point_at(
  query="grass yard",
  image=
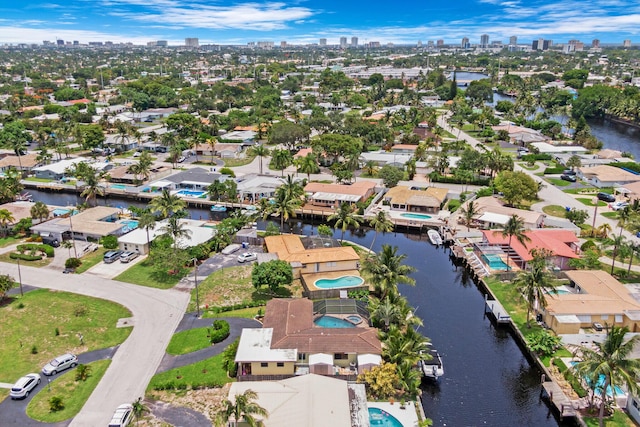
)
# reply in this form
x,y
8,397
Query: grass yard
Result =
x,y
143,274
589,202
245,313
189,341
233,163
74,394
34,179
38,263
232,285
206,373
34,325
618,419
6,241
589,191
558,182
91,259
554,210
613,214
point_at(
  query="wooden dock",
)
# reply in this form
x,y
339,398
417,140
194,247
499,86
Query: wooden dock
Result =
x,y
497,310
558,399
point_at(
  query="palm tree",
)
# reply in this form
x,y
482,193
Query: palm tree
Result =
x,y
634,248
386,313
167,204
617,242
386,270
403,345
281,159
176,230
381,224
371,168
308,164
244,408
39,211
216,189
534,285
139,408
6,218
144,164
514,227
611,359
469,212
344,218
67,244
260,151
147,221
285,206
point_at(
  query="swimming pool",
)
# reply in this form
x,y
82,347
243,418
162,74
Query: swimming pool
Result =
x,y
560,290
495,262
415,216
340,282
333,322
129,224
59,212
119,186
619,392
198,194
378,417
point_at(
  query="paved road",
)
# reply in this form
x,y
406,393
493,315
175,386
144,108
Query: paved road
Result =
x,y
156,314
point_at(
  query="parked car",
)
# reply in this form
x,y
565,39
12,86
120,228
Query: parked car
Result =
x,y
51,241
606,197
234,247
60,363
24,385
619,205
597,326
111,256
568,172
122,416
137,154
181,159
128,256
247,257
570,178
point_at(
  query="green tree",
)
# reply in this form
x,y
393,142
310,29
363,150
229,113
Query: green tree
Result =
x,y
6,283
385,314
243,409
14,136
147,221
83,372
6,218
382,381
281,159
514,227
272,274
469,211
516,186
288,133
56,404
229,358
534,285
344,218
139,409
167,204
390,175
260,151
39,211
176,230
576,216
574,162
386,270
380,224
611,359
308,165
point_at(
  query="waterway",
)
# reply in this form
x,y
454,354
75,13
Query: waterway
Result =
x,y
488,381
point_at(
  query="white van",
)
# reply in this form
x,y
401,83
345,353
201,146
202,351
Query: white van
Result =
x,y
234,247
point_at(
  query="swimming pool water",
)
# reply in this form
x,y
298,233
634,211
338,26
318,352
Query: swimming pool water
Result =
x,y
192,193
340,282
333,322
495,262
119,186
415,216
129,225
378,417
600,384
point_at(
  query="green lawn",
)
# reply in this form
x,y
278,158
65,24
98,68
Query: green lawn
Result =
x,y
246,313
35,325
34,179
558,182
189,341
589,201
91,259
143,274
74,394
618,419
206,373
554,210
10,240
232,163
613,214
38,263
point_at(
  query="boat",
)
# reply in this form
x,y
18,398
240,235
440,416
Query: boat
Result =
x,y
218,208
24,197
434,237
432,368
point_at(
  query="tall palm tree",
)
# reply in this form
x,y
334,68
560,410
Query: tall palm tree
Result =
x,y
212,145
611,359
381,224
386,270
167,204
285,206
39,211
216,189
67,244
260,151
308,164
514,227
281,159
147,221
404,345
344,218
6,218
243,408
534,285
634,248
617,242
386,314
144,164
92,186
469,212
176,230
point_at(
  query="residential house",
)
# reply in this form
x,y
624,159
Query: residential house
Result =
x,y
417,200
333,195
121,174
522,136
592,296
26,162
383,158
193,179
607,176
546,148
290,343
223,150
136,240
302,401
56,171
563,245
404,148
253,187
92,223
493,214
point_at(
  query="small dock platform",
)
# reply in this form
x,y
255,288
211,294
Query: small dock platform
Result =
x,y
497,310
559,400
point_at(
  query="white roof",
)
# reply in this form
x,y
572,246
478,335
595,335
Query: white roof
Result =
x,y
494,218
567,318
383,156
369,359
545,147
321,359
61,166
335,196
255,346
160,184
197,235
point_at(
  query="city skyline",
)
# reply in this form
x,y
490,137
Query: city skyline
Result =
x,y
306,22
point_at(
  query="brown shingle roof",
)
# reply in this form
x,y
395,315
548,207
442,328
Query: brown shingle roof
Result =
x,y
293,327
289,248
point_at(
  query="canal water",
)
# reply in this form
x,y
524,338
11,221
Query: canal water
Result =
x,y
488,381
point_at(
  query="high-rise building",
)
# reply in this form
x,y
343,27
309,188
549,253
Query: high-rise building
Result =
x,y
191,42
419,43
484,40
354,42
162,43
429,44
439,43
283,44
626,43
60,42
541,44
343,42
513,40
323,42
465,43
595,43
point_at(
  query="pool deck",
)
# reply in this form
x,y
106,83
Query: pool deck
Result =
x,y
310,279
407,416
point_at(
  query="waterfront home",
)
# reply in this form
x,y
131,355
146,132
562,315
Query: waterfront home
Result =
x,y
593,296
546,148
25,163
521,135
136,240
121,174
404,148
194,179
303,401
382,158
253,187
293,341
56,171
607,176
415,200
92,223
562,244
493,214
333,195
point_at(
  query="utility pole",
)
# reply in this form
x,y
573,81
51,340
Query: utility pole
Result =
x,y
195,276
20,277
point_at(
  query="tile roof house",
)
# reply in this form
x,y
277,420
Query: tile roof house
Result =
x,y
607,176
291,343
493,214
27,162
406,199
92,223
594,296
324,195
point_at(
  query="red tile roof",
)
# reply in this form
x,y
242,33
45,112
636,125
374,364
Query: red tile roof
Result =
x,y
557,241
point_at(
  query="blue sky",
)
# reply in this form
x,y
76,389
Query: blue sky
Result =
x,y
306,21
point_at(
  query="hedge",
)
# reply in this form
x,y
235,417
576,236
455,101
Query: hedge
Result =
x,y
250,304
535,157
219,332
627,165
46,249
553,171
571,379
25,257
453,180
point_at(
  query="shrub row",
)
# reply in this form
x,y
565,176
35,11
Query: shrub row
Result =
x,y
172,385
535,157
552,171
219,332
45,249
258,303
25,257
454,180
570,377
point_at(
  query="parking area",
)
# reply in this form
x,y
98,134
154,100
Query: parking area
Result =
x,y
109,271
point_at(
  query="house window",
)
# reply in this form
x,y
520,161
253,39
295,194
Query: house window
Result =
x,y
604,317
264,364
280,364
618,318
302,356
341,356
332,264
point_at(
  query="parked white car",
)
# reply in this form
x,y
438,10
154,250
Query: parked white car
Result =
x,y
619,206
247,257
122,416
24,385
60,363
